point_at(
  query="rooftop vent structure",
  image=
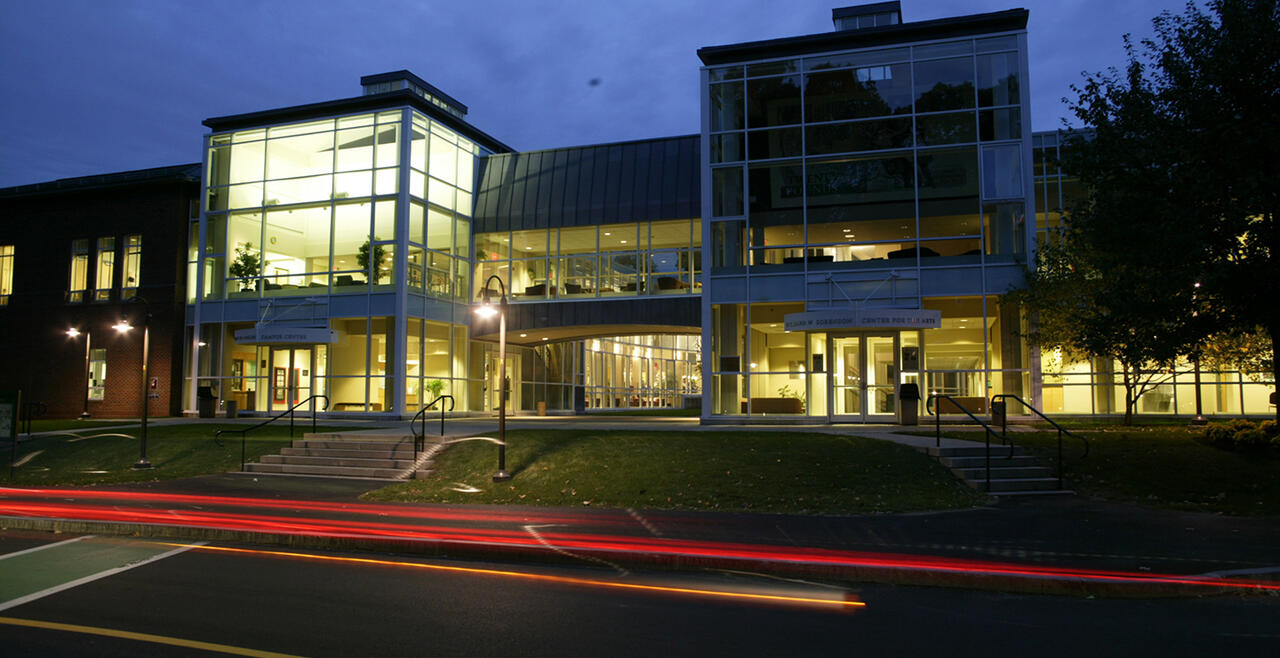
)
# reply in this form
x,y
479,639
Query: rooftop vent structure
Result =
x,y
861,17
385,82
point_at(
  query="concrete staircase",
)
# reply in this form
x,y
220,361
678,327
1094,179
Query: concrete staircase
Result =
x,y
1016,475
370,456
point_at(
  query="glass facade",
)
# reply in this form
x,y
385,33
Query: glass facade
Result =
x,y
351,233
886,178
610,260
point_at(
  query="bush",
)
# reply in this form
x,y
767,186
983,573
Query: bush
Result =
x,y
1219,434
1244,435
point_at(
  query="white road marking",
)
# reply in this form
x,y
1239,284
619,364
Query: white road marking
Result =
x,y
97,576
41,548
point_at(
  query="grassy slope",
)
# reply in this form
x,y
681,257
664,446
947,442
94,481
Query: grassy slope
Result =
x,y
174,451
727,471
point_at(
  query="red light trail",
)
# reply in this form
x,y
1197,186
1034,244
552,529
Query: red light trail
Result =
x,y
390,522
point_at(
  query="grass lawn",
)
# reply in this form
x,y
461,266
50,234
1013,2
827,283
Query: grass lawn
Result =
x,y
779,472
175,451
1160,466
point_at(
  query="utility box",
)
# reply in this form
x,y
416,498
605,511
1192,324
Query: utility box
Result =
x,y
206,402
998,411
908,404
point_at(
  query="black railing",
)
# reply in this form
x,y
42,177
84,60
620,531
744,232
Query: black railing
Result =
x,y
1004,421
31,411
987,435
217,436
419,438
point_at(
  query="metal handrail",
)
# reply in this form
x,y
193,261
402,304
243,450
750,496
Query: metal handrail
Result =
x,y
1061,430
217,436
29,412
987,435
419,439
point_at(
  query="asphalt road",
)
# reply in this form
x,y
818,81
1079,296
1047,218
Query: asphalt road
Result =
x,y
246,600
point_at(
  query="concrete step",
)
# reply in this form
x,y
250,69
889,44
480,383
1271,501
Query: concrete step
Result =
x,y
1002,473
370,438
342,471
975,451
1016,484
336,461
397,453
996,460
352,445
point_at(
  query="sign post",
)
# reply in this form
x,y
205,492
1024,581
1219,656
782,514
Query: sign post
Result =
x,y
10,403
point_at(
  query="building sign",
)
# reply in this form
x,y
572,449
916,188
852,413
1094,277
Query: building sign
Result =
x,y
268,335
864,318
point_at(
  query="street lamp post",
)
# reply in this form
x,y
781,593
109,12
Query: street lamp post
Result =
x,y
123,327
1195,361
88,338
486,310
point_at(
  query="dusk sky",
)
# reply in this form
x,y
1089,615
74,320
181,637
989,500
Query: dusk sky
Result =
x,y
100,86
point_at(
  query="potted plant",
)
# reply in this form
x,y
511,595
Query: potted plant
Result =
x,y
435,387
379,258
247,265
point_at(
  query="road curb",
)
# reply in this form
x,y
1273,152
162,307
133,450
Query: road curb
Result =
x,y
964,579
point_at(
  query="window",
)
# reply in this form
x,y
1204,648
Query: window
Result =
x,y
79,270
106,268
6,273
132,263
97,374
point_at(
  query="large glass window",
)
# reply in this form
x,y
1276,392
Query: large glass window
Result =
x,y
103,280
773,102
132,274
79,281
944,84
867,91
6,273
97,374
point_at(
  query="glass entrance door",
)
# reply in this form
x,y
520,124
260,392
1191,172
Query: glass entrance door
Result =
x,y
863,378
291,374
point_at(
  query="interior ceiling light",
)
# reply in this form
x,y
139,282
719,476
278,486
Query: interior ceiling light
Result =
x,y
523,335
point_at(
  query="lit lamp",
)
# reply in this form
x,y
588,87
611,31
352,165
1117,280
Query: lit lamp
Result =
x,y
487,310
73,333
124,327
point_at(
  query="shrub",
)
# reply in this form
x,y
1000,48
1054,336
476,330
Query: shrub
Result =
x,y
1219,434
1253,439
1271,428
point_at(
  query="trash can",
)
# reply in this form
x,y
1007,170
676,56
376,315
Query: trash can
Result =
x,y
206,402
908,404
997,412
232,408
542,408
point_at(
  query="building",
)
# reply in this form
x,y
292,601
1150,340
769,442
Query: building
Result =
x,y
74,256
846,221
867,196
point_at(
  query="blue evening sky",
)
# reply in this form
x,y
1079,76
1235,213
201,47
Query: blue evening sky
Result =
x,y
98,86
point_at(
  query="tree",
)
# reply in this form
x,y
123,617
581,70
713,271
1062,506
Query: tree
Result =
x,y
1219,77
246,266
1176,240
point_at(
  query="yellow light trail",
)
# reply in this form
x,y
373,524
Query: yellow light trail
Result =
x,y
143,637
846,603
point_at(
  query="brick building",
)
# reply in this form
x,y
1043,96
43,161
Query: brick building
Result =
x,y
73,254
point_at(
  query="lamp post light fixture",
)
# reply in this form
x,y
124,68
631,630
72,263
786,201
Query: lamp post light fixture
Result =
x,y
487,310
125,327
73,332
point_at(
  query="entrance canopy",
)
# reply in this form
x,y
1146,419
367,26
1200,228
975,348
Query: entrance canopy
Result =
x,y
863,318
